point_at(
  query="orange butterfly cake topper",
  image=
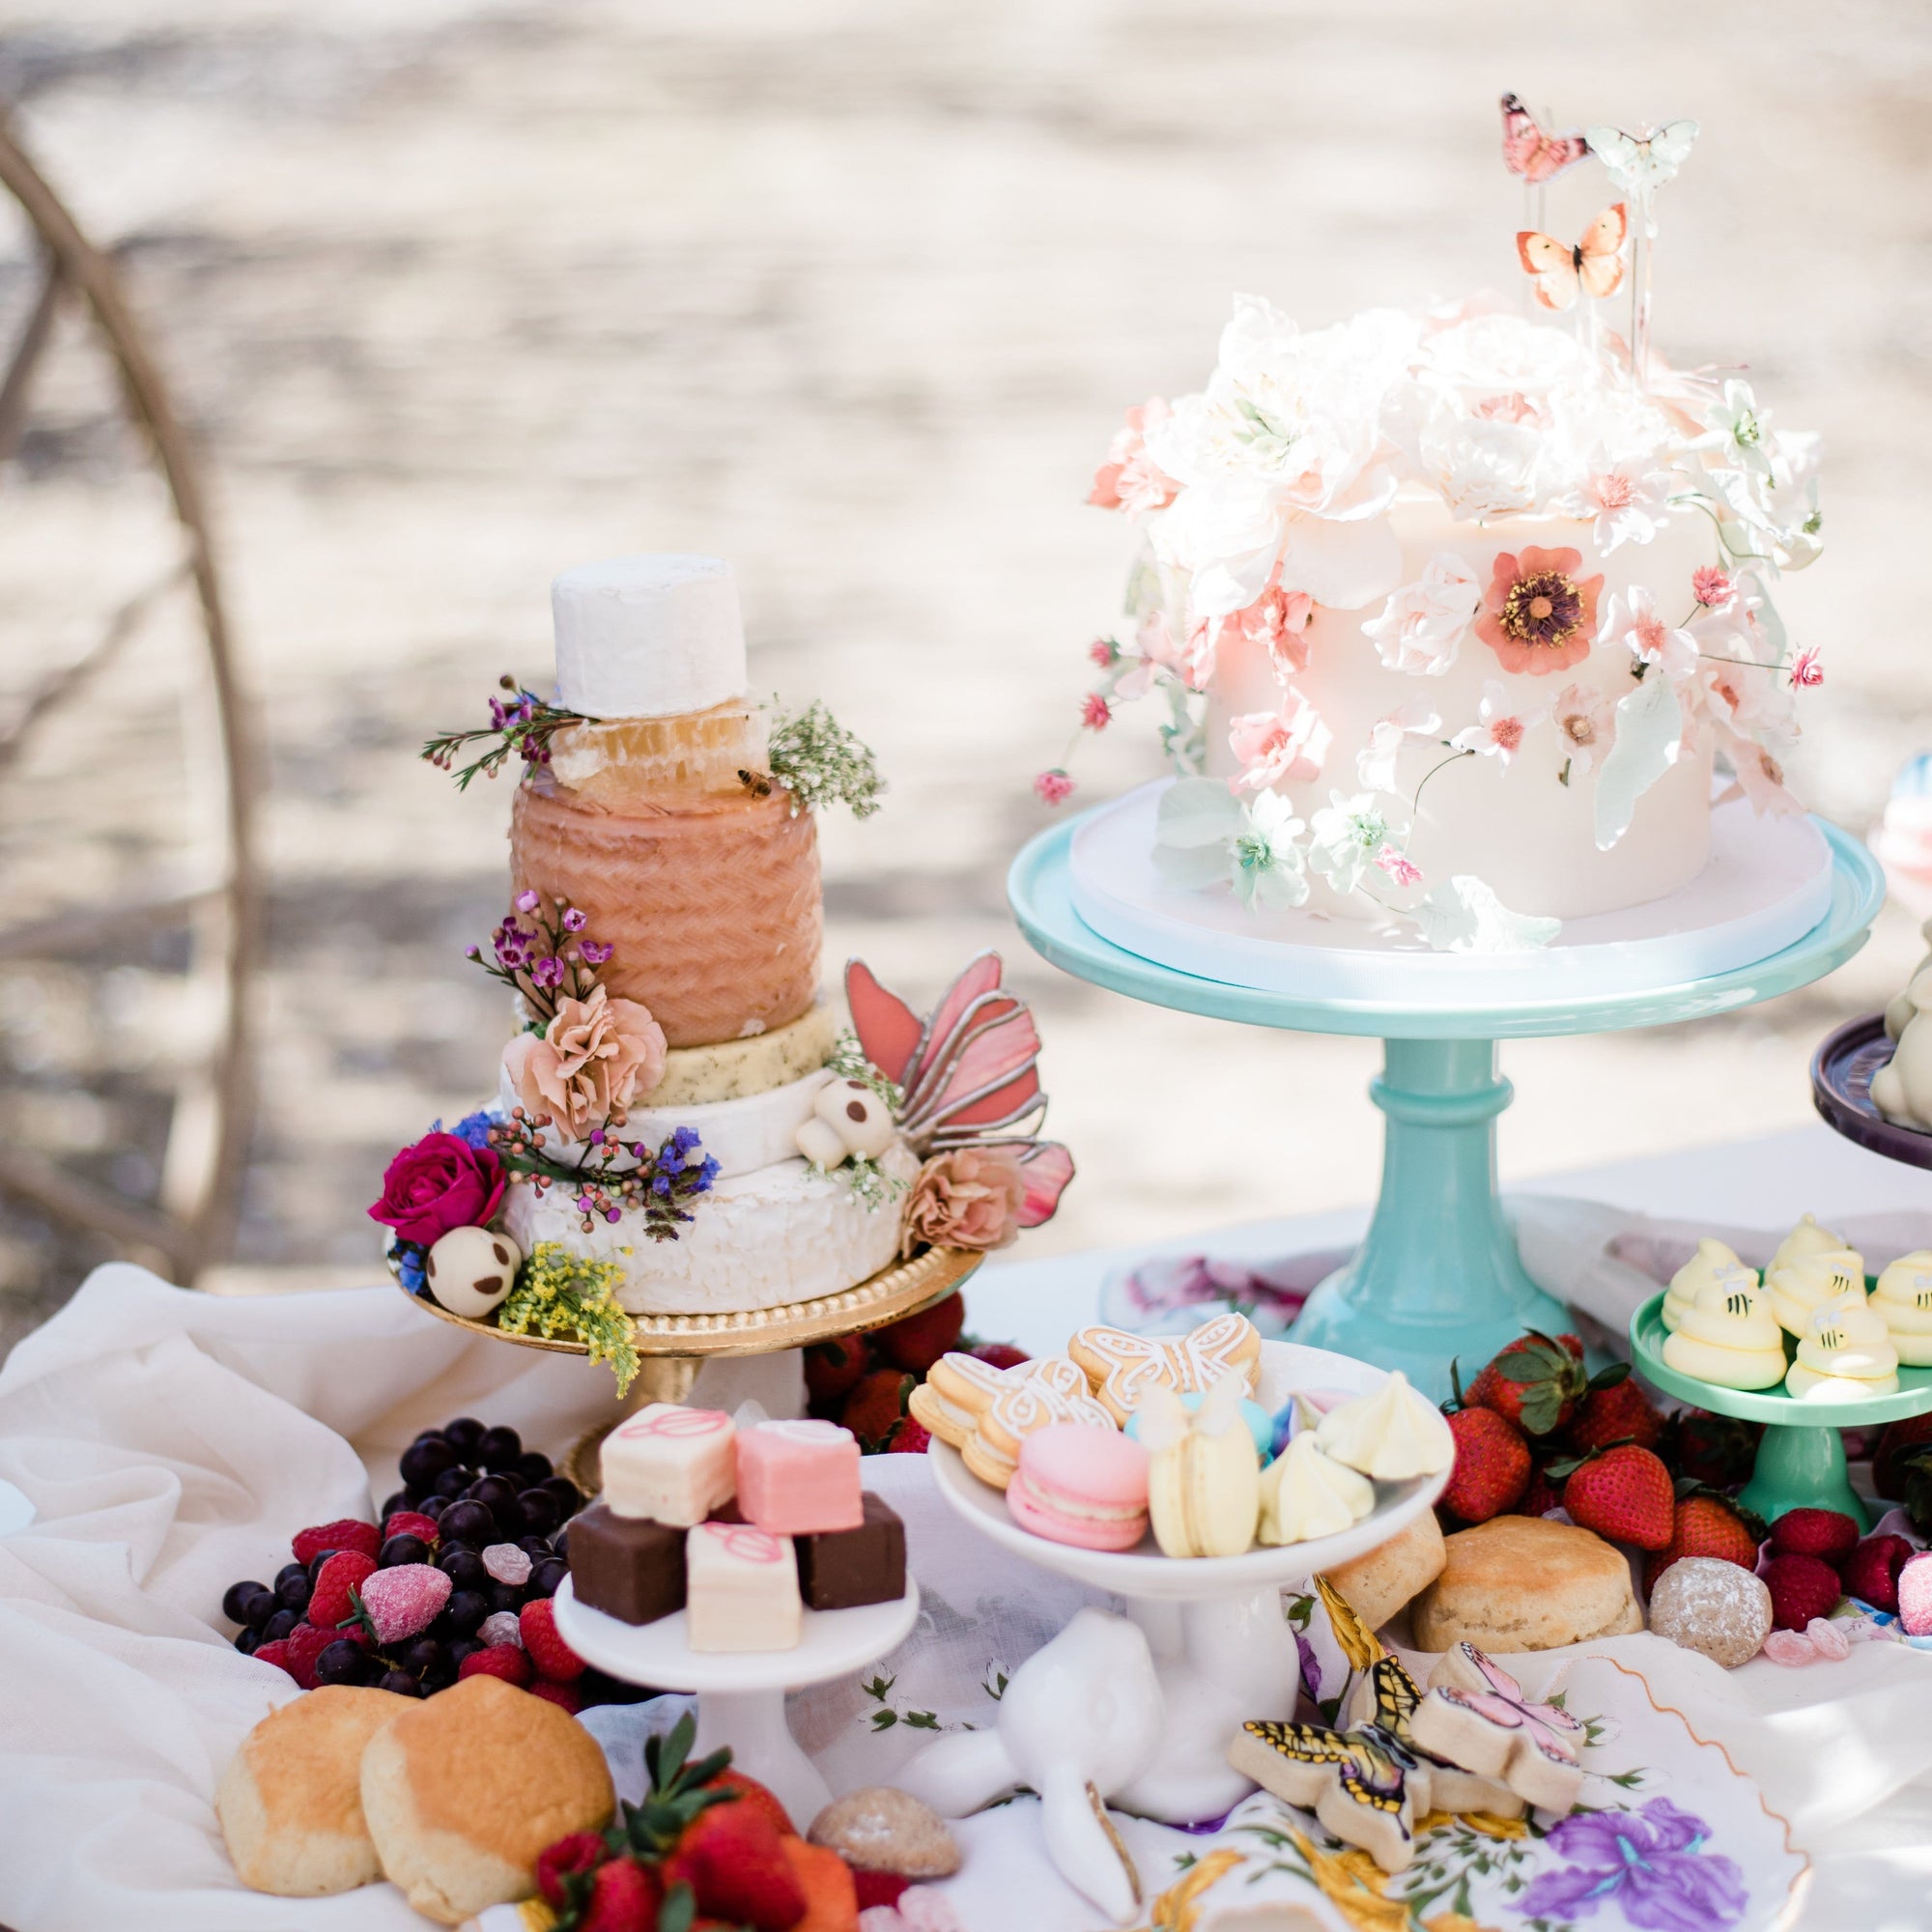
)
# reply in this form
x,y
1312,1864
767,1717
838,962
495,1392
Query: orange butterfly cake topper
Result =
x,y
1528,152
1595,265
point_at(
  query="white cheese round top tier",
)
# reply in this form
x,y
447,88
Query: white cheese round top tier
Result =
x,y
1519,826
648,637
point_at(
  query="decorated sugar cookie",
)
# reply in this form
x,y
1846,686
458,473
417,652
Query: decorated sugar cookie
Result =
x,y
1123,1366
1476,1714
956,1393
1390,1697
1056,1391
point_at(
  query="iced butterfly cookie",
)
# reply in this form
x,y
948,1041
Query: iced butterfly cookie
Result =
x,y
1845,1352
1476,1714
953,1396
1713,1262
1056,1391
1727,1336
1810,1281
1391,1434
1903,1299
1390,1697
1123,1366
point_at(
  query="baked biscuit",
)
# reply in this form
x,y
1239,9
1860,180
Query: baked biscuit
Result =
x,y
1520,1582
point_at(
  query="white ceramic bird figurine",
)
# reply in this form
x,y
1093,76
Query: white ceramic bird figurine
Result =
x,y
1080,1719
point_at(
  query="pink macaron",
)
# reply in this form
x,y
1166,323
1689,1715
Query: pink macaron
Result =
x,y
1085,1487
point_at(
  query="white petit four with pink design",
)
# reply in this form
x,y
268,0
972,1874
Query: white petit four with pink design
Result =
x,y
671,1463
741,1589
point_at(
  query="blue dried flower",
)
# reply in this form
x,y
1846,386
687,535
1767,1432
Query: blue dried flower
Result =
x,y
473,1129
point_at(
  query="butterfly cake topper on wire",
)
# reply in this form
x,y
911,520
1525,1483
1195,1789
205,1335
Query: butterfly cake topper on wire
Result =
x,y
1594,266
1532,153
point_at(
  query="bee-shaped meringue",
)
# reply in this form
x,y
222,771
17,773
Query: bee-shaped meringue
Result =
x,y
1845,1352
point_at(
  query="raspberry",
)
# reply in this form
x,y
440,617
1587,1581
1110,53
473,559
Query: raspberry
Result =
x,y
1870,1572
411,1523
877,1887
1802,1587
306,1642
278,1651
1814,1532
565,1696
345,1534
548,1652
336,1583
501,1660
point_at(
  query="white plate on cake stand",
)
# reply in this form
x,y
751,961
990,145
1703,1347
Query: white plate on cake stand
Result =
x,y
741,1692
1222,1647
1765,884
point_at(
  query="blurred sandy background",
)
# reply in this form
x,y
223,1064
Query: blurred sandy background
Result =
x,y
852,290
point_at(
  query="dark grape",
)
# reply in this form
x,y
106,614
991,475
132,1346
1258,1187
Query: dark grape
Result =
x,y
465,1611
234,1599
538,1510
547,1579
425,1459
259,1606
467,1522
594,1687
462,1434
280,1625
501,1448
463,1568
535,1547
246,1641
534,1466
496,1493
287,1571
403,1549
569,1497
433,1507
424,1656
399,1501
292,1592
453,1481
316,1562
401,1683
506,1596
559,1543
341,1662
463,1646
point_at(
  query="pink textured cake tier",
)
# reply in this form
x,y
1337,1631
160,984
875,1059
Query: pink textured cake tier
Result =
x,y
713,904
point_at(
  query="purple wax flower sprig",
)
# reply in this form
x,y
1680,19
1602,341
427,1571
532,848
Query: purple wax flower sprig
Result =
x,y
549,958
612,1174
522,725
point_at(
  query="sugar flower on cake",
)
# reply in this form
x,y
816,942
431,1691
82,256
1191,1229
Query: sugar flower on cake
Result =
x,y
588,1064
1376,761
1586,727
1760,776
443,1182
1465,914
1282,746
1129,480
1268,875
1204,837
1538,615
1624,501
1635,620
1739,430
1277,620
968,1197
1347,836
1423,624
1480,465
1501,724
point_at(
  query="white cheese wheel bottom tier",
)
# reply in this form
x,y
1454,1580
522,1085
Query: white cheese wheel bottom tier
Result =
x,y
778,1234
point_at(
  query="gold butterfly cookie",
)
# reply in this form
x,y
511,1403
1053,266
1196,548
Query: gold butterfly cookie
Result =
x,y
956,1392
1123,1366
1056,1391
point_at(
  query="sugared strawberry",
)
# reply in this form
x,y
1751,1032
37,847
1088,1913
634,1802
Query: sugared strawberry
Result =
x,y
624,1897
581,1853
909,1438
1871,1571
874,1407
1622,1493
735,1864
830,1899
1707,1525
345,1534
333,1601
567,1697
402,1602
1814,1532
833,1366
1001,1354
877,1887
1491,1466
759,1796
1535,1382
508,1661
306,1642
411,1523
1615,1410
917,1341
1802,1587
551,1655
277,1651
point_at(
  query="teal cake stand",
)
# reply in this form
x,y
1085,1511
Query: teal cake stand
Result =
x,y
1801,1459
1437,1276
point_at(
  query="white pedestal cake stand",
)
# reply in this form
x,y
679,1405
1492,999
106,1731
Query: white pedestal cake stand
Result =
x,y
741,1694
1437,1276
1222,1649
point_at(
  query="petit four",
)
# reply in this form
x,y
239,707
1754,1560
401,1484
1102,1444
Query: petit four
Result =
x,y
1305,1492
953,1396
1812,1280
1726,1335
1122,1366
796,1477
470,1271
1714,1606
1392,1433
1055,1391
629,1567
881,1828
1476,1716
1714,1262
839,1569
1903,1297
1083,1487
741,1589
1378,1584
1844,1352
671,1464
1520,1582
1203,1475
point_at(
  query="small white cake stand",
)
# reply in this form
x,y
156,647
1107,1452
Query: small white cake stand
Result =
x,y
1222,1648
741,1692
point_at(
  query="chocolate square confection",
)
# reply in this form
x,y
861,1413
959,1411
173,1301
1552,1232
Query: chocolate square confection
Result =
x,y
626,1566
840,1569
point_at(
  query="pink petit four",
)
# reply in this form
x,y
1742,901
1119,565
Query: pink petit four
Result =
x,y
1084,1486
741,1589
672,1465
799,1478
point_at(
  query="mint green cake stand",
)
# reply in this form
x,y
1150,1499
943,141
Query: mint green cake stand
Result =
x,y
1800,1461
1437,1275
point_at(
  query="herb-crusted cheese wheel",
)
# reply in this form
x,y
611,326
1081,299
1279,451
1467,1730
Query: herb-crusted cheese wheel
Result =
x,y
735,1069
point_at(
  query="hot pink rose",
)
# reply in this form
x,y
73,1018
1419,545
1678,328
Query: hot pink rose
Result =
x,y
969,1197
442,1182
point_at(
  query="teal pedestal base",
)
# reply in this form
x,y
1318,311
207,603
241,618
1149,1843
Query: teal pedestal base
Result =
x,y
1802,1468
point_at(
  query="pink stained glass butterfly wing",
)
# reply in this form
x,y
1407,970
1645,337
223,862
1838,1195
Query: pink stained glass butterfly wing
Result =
x,y
980,975
888,1029
1528,152
1046,1168
996,1064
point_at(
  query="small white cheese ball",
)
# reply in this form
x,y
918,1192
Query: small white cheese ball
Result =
x,y
471,1269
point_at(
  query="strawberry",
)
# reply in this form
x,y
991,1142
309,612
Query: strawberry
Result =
x,y
1814,1532
831,1898
877,1887
1715,1449
1870,1572
735,1864
1705,1523
623,1898
833,1366
345,1534
1615,1410
507,1661
916,1342
567,1697
1001,1354
748,1791
579,1853
548,1652
1802,1587
1491,1466
411,1523
1888,1477
910,1438
1535,1382
333,1601
1622,1494
873,1409
1543,1495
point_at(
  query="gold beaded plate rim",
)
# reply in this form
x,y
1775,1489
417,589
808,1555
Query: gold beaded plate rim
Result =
x,y
901,1289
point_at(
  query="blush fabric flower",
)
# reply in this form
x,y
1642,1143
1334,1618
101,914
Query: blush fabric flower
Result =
x,y
1278,621
1095,714
1710,587
1624,501
595,1056
966,1198
1586,725
1053,787
1423,624
442,1182
1634,620
1650,1868
1129,479
1807,669
1376,763
1500,726
1538,615
1284,747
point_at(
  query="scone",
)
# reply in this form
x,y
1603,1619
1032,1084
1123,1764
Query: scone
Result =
x,y
291,1800
1519,1582
1377,1585
464,1790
